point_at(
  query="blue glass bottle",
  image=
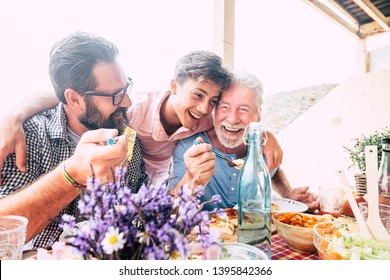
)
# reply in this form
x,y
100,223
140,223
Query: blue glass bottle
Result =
x,y
254,195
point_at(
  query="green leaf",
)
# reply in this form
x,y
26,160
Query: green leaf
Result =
x,y
356,152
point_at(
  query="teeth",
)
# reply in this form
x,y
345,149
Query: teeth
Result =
x,y
194,116
232,129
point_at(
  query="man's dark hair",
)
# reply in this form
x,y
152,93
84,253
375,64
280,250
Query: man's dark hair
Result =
x,y
202,66
72,61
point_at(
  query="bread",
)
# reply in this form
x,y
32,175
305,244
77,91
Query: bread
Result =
x,y
251,220
232,214
221,223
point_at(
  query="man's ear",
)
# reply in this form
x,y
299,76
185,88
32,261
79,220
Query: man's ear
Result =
x,y
174,85
74,99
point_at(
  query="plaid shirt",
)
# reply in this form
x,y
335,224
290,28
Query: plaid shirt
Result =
x,y
48,144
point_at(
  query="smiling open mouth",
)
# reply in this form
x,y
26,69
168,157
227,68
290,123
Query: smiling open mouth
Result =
x,y
230,129
194,116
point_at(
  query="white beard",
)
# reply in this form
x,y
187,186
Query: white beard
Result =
x,y
228,142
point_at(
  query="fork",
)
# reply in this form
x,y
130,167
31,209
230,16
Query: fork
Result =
x,y
218,154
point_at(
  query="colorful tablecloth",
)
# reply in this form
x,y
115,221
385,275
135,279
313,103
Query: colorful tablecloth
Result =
x,y
280,251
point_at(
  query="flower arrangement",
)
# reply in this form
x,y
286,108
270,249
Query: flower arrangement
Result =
x,y
150,224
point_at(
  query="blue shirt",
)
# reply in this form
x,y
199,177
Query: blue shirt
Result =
x,y
224,182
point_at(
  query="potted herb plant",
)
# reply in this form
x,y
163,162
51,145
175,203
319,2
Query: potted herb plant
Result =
x,y
357,155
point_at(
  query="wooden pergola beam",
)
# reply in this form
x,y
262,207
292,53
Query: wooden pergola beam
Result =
x,y
371,28
342,10
373,12
325,10
379,25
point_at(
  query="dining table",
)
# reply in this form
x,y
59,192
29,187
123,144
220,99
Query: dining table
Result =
x,y
279,248
280,251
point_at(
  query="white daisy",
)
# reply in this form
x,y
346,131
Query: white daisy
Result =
x,y
120,208
113,240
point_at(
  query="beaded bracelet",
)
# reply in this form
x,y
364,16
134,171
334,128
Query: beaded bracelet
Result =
x,y
69,179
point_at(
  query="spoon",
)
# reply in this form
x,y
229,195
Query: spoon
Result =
x,y
352,202
374,222
218,154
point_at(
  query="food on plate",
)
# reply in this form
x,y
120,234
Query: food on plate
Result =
x,y
226,237
221,223
252,221
232,215
275,206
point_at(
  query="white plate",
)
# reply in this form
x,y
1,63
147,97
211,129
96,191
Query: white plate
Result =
x,y
288,205
72,231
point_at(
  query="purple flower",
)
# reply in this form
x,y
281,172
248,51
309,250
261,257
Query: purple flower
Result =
x,y
149,224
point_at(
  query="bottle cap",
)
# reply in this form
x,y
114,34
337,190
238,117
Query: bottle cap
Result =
x,y
386,140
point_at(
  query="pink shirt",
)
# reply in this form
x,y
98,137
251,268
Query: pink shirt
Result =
x,y
157,146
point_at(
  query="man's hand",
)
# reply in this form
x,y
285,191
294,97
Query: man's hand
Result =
x,y
272,151
91,151
200,164
303,195
12,140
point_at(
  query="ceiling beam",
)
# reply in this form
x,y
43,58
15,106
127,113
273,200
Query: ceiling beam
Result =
x,y
325,10
371,28
373,12
345,12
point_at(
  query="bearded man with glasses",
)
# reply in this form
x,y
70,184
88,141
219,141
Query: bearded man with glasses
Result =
x,y
93,90
92,119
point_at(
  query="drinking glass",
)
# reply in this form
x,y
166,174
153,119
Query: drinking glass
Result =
x,y
12,237
330,200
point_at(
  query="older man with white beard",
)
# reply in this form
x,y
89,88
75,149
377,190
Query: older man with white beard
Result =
x,y
196,165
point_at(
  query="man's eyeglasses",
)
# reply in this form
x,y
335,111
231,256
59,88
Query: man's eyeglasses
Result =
x,y
117,96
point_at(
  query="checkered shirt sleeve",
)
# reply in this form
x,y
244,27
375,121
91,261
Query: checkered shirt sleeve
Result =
x,y
47,146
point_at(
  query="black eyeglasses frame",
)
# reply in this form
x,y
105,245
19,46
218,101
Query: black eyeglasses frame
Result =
x,y
124,91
